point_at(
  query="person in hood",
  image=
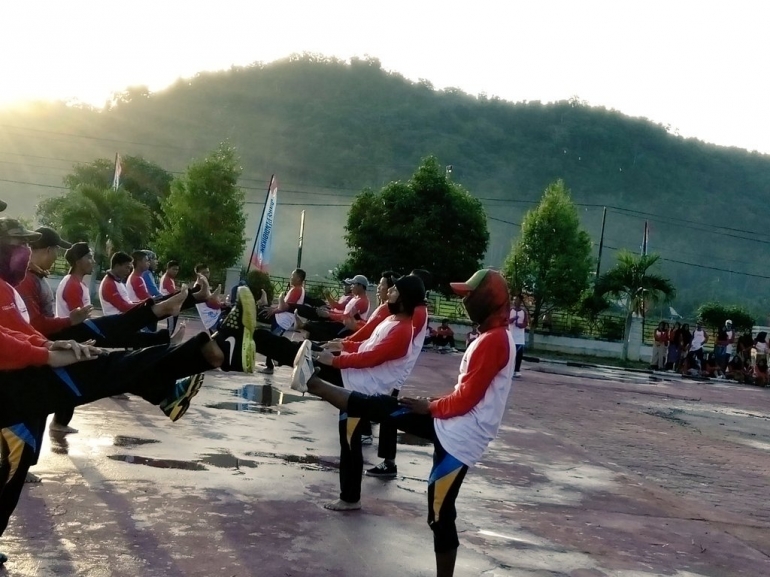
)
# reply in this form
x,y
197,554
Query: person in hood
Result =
x,y
461,424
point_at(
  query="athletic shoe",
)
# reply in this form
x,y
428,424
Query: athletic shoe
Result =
x,y
517,374
303,367
176,406
383,471
264,369
32,478
367,440
235,335
61,429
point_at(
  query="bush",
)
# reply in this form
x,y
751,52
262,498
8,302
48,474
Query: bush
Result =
x,y
713,315
612,328
315,295
258,281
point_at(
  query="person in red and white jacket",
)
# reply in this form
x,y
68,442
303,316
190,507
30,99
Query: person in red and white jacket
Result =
x,y
137,288
113,292
375,365
72,293
332,323
168,287
282,317
168,280
388,441
460,424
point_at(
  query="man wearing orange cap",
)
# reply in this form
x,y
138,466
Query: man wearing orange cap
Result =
x,y
460,424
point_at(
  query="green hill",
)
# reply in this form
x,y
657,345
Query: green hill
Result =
x,y
327,129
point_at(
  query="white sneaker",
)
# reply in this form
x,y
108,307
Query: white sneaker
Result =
x,y
517,374
303,367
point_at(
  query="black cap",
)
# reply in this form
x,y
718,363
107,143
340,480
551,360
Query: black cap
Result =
x,y
411,290
49,238
3,206
76,252
12,228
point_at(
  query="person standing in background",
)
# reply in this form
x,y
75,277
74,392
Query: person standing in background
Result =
x,y
518,322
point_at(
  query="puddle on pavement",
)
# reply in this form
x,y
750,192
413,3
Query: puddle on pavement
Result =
x,y
158,463
227,461
307,462
121,441
250,408
407,439
264,399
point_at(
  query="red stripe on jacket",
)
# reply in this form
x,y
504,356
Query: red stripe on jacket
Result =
x,y
489,357
395,345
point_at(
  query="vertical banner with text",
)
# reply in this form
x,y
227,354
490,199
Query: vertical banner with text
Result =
x,y
260,254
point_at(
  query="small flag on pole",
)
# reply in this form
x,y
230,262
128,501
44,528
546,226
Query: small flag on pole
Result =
x,y
116,178
260,255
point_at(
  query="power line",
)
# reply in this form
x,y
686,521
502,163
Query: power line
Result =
x,y
703,266
38,130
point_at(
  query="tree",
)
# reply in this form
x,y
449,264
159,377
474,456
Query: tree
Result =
x,y
98,216
632,283
144,180
551,261
713,315
203,215
428,222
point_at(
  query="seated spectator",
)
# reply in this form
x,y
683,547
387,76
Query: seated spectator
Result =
x,y
736,370
430,335
472,335
745,344
711,368
445,336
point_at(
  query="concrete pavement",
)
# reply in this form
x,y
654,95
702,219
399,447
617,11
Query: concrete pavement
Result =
x,y
595,473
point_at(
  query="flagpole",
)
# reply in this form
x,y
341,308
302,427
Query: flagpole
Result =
x,y
601,245
301,236
261,218
116,175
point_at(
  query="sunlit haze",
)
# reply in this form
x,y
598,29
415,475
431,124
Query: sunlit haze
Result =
x,y
700,67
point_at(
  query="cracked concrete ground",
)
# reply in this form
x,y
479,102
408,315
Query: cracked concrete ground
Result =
x,y
595,473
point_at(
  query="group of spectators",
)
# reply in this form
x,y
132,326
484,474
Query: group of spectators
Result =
x,y
741,358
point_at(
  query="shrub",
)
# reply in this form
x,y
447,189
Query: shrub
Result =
x,y
258,281
713,315
612,328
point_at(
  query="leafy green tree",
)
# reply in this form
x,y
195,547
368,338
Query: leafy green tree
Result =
x,y
428,222
144,180
203,215
713,315
634,285
105,218
551,260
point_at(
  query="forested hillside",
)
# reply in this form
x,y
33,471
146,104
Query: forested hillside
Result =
x,y
328,129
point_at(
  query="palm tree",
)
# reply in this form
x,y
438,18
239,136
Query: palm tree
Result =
x,y
631,283
102,217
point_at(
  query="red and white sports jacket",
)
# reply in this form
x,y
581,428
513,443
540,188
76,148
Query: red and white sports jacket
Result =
x,y
374,366
468,419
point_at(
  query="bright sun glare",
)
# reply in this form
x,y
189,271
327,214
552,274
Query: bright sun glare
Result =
x,y
696,66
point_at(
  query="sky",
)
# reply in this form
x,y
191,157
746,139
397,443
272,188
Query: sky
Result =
x,y
700,67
